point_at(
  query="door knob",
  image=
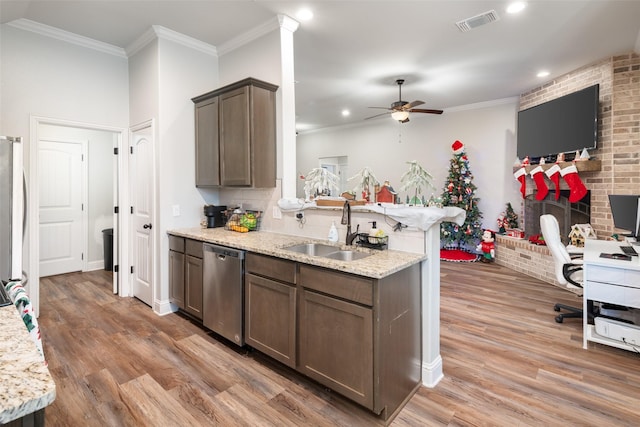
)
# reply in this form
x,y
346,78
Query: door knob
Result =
x,y
147,226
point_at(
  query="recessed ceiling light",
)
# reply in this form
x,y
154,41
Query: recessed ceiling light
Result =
x,y
304,14
516,7
543,73
346,113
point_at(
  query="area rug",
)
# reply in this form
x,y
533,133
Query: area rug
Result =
x,y
457,255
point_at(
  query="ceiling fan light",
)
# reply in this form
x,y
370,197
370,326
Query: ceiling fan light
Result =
x,y
400,115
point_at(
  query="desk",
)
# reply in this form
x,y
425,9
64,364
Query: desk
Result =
x,y
611,281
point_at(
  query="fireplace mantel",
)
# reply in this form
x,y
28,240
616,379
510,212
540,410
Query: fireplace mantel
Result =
x,y
581,165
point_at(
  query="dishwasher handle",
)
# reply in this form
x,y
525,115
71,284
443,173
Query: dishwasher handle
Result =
x,y
222,251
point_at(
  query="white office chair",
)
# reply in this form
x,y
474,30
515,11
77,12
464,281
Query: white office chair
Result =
x,y
568,270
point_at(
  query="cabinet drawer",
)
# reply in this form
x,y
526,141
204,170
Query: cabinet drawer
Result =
x,y
275,268
176,244
347,286
194,248
621,295
615,275
607,293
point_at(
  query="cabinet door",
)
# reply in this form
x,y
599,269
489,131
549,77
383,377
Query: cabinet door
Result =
x,y
336,345
235,138
207,145
270,310
193,286
176,278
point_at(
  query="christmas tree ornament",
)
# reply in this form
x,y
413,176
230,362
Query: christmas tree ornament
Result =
x,y
578,190
541,186
553,173
521,175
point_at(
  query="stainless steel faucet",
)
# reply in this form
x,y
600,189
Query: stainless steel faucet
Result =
x,y
346,220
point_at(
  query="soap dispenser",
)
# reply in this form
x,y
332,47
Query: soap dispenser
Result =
x,y
374,230
333,233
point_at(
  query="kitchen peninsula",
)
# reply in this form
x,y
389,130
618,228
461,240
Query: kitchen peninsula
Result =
x,y
352,325
26,387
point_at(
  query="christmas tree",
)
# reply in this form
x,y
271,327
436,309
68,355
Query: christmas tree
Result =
x,y
459,191
507,219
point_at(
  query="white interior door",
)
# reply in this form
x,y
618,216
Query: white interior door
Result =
x,y
142,202
60,166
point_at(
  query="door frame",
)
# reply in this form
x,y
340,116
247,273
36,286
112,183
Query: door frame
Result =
x,y
84,193
35,122
154,215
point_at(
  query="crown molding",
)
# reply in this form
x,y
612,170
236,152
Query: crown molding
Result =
x,y
485,104
66,36
253,34
288,23
160,32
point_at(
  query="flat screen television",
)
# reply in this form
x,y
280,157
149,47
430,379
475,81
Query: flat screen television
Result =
x,y
625,210
562,125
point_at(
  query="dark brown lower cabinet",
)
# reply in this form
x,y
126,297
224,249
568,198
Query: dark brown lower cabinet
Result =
x,y
185,275
359,336
176,271
336,345
270,307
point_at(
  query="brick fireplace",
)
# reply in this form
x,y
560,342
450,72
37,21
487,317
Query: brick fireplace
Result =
x,y
566,213
617,154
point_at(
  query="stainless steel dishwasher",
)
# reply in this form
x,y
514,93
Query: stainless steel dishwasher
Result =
x,y
223,292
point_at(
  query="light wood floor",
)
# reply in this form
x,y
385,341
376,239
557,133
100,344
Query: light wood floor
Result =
x,y
506,363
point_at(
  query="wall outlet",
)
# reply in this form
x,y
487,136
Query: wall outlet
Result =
x,y
277,213
176,210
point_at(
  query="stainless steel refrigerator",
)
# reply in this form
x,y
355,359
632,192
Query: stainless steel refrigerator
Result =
x,y
12,208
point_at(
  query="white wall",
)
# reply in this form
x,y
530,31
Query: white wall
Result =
x,y
487,130
46,77
183,73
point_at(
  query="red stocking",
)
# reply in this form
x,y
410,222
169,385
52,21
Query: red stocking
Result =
x,y
578,190
538,178
554,175
521,175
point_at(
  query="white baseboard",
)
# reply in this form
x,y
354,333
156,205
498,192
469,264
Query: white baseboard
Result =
x,y
163,308
95,265
432,372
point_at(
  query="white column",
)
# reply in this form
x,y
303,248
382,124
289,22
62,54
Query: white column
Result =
x,y
288,114
431,360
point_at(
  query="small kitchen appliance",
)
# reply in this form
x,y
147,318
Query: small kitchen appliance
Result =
x,y
215,215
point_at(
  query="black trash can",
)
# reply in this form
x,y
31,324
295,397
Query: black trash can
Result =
x,y
107,237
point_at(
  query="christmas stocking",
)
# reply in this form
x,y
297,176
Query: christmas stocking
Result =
x,y
538,178
521,176
578,190
554,175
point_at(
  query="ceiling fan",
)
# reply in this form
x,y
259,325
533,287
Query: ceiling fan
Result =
x,y
400,109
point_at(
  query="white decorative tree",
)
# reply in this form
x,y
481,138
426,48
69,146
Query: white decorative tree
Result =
x,y
416,177
319,181
367,180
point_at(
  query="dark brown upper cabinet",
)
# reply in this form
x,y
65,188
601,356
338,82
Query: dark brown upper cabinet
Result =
x,y
236,135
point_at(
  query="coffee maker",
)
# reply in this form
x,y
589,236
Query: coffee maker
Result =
x,y
214,215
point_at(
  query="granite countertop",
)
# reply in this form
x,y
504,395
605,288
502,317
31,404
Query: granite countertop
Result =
x,y
380,264
25,383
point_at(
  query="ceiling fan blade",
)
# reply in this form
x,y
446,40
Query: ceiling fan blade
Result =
x,y
423,110
412,104
377,115
382,108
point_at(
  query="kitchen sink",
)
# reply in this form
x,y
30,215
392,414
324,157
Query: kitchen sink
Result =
x,y
327,251
347,255
313,249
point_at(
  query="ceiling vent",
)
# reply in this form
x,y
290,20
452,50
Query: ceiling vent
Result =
x,y
477,21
